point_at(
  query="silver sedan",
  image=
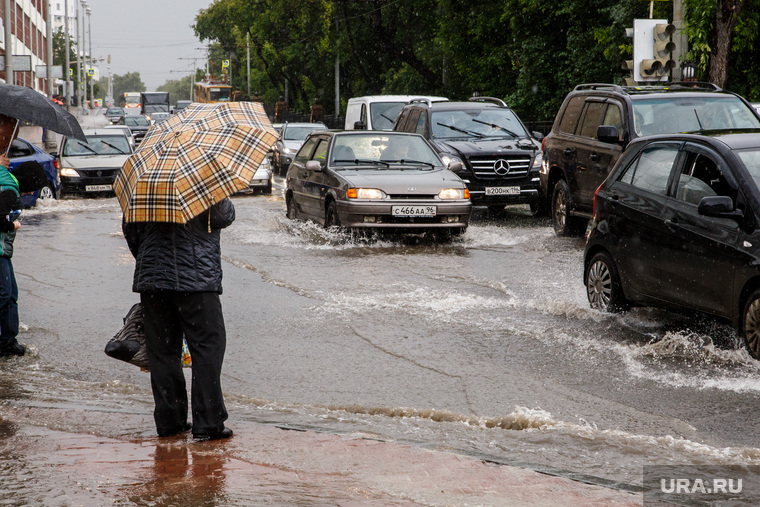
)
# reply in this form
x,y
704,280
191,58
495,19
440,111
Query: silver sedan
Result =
x,y
380,180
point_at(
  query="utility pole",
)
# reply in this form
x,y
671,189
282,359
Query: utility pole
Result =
x,y
49,49
79,61
680,37
248,60
8,16
92,83
67,70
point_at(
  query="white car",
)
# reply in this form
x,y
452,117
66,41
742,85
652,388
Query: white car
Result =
x,y
127,132
90,168
262,180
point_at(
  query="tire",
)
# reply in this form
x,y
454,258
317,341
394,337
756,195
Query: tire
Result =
x,y
751,324
564,224
291,207
331,215
603,287
267,189
46,192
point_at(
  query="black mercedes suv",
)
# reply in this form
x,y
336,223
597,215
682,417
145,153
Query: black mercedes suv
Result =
x,y
597,121
497,158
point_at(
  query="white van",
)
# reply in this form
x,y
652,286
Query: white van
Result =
x,y
378,112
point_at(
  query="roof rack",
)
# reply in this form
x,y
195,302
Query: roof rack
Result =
x,y
599,86
496,101
697,84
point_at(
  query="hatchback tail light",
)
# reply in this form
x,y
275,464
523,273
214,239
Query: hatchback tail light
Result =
x,y
593,212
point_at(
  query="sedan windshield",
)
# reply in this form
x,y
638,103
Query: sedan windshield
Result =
x,y
299,133
97,145
386,150
691,114
476,123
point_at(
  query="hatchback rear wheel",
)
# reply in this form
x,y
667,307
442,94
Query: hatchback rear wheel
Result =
x,y
751,324
603,286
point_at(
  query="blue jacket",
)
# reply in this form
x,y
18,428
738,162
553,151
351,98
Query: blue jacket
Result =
x,y
179,257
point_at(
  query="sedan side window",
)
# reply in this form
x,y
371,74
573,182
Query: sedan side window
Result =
x,y
320,154
701,177
306,150
651,169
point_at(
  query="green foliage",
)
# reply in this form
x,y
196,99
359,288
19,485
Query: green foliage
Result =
x,y
530,52
178,89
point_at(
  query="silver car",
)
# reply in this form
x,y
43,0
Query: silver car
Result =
x,y
378,180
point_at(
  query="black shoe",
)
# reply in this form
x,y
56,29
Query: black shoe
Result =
x,y
14,350
182,429
217,435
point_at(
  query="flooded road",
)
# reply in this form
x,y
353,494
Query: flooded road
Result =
x,y
485,346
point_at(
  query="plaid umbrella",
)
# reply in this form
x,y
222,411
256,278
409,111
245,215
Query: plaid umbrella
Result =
x,y
196,158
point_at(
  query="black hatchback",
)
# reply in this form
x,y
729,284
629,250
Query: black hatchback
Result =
x,y
677,225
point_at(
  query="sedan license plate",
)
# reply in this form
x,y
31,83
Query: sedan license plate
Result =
x,y
502,190
98,188
413,211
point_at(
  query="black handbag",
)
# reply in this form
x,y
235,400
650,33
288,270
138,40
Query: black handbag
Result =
x,y
129,343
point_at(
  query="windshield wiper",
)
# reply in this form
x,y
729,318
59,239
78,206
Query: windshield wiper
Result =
x,y
357,161
86,146
114,147
463,131
494,125
410,161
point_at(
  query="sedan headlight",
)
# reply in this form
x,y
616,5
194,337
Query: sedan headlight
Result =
x,y
68,171
449,159
288,151
365,193
454,193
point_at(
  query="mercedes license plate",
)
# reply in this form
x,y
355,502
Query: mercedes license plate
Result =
x,y
502,190
413,211
98,188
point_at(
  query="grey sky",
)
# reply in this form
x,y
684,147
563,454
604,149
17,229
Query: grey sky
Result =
x,y
152,37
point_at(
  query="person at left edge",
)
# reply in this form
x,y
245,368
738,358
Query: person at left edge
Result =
x,y
26,178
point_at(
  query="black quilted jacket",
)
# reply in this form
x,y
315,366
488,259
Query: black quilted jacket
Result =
x,y
184,258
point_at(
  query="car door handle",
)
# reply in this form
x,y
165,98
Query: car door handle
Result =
x,y
594,157
672,222
569,151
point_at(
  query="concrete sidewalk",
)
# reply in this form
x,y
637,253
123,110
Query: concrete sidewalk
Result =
x,y
104,458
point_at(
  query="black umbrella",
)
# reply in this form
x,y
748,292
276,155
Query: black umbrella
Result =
x,y
29,105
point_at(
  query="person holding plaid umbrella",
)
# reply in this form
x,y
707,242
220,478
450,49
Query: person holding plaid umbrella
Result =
x,y
174,194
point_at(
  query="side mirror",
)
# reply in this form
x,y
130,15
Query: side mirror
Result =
x,y
359,126
313,165
455,167
55,154
538,136
719,206
607,134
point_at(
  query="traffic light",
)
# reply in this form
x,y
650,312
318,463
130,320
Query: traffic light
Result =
x,y
652,49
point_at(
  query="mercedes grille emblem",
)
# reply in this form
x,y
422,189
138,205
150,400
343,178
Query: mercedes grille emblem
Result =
x,y
501,167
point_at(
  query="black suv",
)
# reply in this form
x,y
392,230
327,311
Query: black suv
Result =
x,y
597,121
485,143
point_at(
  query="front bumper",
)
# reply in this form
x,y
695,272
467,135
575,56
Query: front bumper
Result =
x,y
378,214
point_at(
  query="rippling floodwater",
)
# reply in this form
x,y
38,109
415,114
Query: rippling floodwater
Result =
x,y
484,346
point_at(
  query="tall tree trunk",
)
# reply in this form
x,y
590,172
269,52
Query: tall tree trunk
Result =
x,y
726,14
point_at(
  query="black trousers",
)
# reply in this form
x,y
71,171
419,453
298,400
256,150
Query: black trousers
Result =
x,y
168,316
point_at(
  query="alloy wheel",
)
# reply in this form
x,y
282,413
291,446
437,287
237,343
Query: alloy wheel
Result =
x,y
752,328
599,285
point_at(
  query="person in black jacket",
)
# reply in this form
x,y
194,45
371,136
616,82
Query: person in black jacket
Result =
x,y
178,273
